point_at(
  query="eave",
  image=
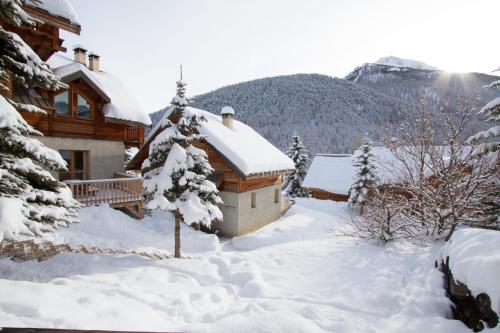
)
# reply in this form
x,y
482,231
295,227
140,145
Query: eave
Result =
x,y
124,122
48,18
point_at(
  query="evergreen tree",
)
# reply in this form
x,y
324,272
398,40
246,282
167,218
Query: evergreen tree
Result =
x,y
175,173
45,202
300,157
365,179
129,154
489,139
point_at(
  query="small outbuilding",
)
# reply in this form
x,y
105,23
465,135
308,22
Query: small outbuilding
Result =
x,y
330,176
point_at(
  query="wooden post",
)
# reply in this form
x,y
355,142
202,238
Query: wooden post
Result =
x,y
177,250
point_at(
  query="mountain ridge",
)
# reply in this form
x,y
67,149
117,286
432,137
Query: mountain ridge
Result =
x,y
332,114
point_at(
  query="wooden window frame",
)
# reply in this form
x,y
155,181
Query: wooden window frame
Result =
x,y
73,94
70,111
253,200
91,105
71,165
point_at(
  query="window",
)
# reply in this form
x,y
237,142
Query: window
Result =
x,y
83,107
276,196
77,164
66,155
62,104
253,203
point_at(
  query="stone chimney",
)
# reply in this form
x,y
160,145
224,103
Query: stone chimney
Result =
x,y
80,54
227,114
93,62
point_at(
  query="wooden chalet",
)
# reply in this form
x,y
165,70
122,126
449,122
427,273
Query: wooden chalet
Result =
x,y
90,123
248,170
330,177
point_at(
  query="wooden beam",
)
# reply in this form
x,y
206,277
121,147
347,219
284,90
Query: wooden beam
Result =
x,y
56,21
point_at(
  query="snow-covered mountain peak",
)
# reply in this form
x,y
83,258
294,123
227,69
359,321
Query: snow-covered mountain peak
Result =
x,y
405,63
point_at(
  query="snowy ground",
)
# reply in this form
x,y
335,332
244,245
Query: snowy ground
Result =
x,y
296,275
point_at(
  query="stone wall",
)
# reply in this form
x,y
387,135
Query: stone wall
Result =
x,y
239,216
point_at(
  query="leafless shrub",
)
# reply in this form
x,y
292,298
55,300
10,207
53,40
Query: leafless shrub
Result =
x,y
384,219
447,183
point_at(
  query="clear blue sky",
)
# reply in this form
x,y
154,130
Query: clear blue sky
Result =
x,y
229,41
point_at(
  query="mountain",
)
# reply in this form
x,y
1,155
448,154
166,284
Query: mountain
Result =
x,y
403,63
332,114
438,88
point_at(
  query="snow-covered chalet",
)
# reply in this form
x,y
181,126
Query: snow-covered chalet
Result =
x,y
248,170
90,123
330,177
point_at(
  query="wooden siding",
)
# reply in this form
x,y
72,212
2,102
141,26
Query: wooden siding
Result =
x,y
44,40
232,181
324,195
96,127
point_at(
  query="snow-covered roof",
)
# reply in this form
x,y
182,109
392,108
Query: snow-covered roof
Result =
x,y
334,173
246,149
120,104
60,8
330,172
404,63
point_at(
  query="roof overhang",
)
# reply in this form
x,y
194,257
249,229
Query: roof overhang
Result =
x,y
81,75
48,18
124,122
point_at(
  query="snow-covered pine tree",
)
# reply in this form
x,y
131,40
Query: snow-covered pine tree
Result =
x,y
44,203
365,178
175,173
129,154
489,139
300,157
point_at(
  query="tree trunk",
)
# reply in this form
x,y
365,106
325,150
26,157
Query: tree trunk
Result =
x,y
177,251
450,233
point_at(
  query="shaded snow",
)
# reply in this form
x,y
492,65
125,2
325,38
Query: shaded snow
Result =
x,y
104,227
12,219
295,275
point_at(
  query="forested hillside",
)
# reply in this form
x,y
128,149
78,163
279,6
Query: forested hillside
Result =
x,y
332,114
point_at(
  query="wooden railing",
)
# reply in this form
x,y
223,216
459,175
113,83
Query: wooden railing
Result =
x,y
110,191
76,174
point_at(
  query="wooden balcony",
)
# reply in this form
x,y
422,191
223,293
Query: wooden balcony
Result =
x,y
125,193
